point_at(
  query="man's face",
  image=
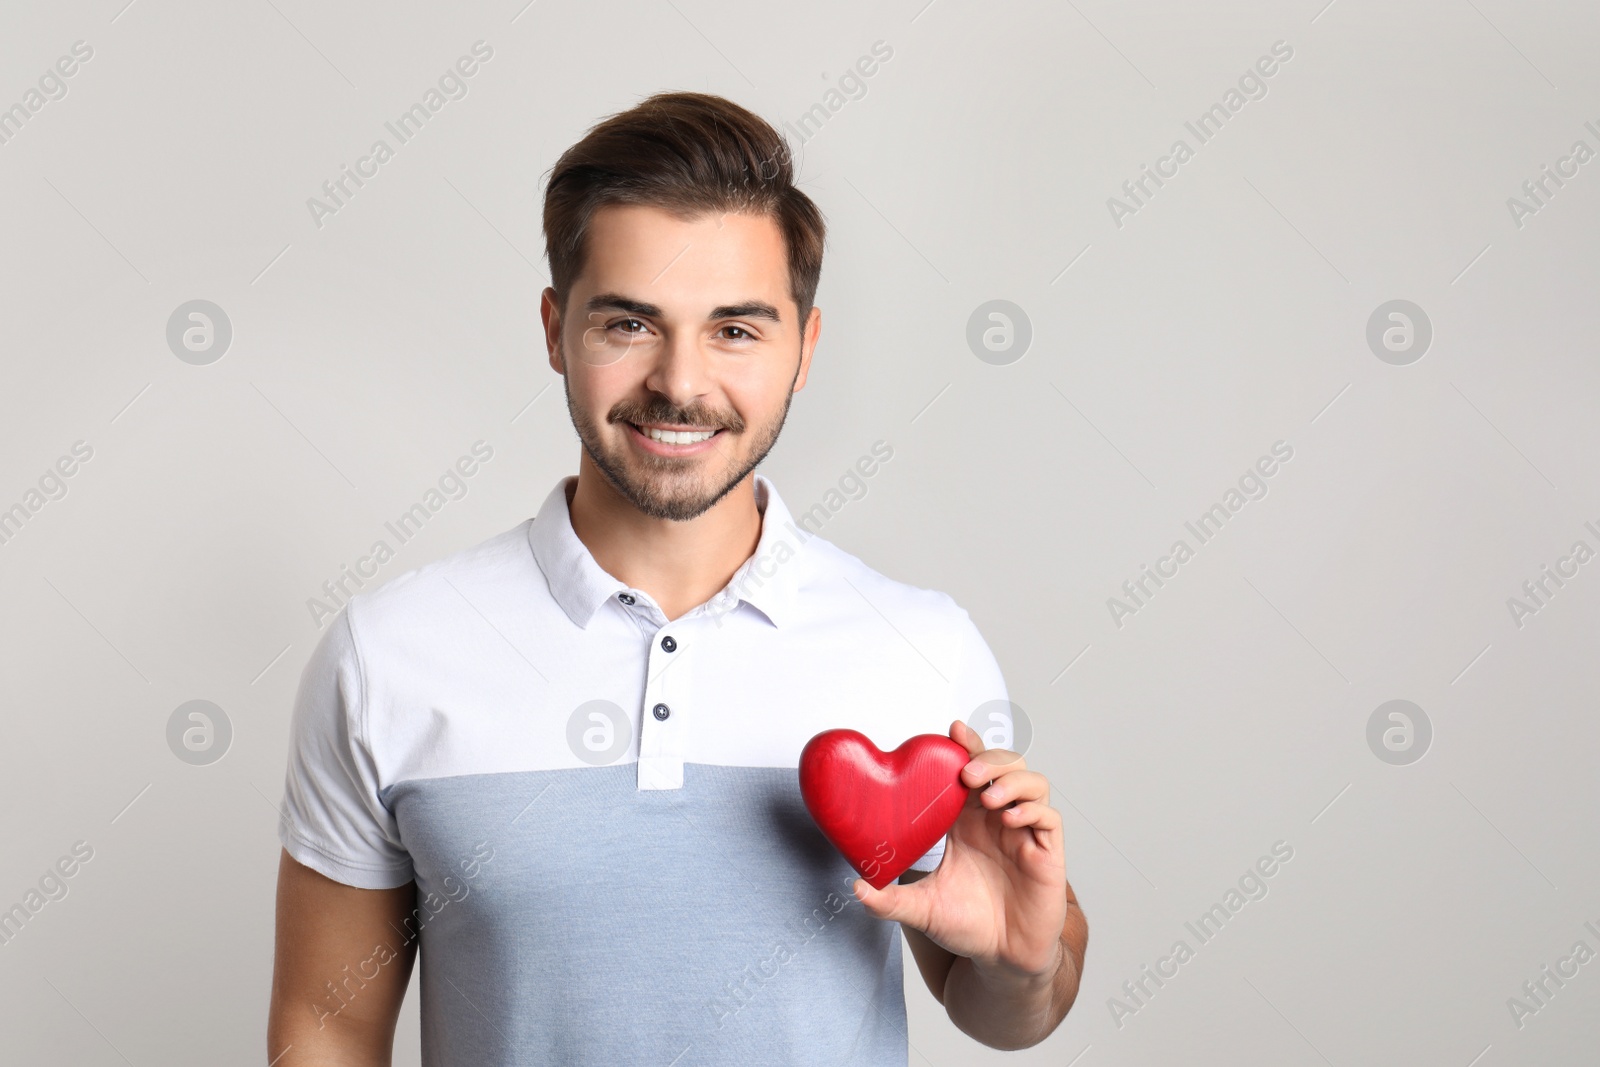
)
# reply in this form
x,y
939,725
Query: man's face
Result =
x,y
680,349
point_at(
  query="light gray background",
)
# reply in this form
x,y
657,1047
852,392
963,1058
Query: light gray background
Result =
x,y
1167,355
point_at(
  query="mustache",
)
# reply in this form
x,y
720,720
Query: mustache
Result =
x,y
673,415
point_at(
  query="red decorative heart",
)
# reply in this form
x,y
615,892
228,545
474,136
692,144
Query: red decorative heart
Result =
x,y
882,810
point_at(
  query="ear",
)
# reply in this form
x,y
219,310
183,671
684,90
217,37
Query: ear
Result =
x,y
808,344
550,314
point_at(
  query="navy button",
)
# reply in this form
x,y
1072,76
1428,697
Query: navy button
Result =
x,y
661,711
626,598
669,644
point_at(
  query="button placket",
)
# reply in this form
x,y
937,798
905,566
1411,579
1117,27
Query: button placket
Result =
x,y
666,699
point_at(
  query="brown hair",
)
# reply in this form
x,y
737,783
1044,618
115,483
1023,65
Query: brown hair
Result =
x,y
690,154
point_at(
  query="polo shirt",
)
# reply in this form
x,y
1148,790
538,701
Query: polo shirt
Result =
x,y
600,807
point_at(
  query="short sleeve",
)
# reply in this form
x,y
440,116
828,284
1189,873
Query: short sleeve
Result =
x,y
332,819
978,698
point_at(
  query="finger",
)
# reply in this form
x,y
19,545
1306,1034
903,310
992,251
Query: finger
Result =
x,y
1035,813
1015,786
990,764
966,737
1038,819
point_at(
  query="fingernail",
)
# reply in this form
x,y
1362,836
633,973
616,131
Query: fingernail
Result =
x,y
975,766
993,792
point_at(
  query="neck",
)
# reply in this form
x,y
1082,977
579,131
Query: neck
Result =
x,y
680,564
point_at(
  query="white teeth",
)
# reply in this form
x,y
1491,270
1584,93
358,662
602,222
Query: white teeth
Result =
x,y
678,437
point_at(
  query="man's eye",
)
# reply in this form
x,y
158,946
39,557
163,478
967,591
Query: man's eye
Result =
x,y
628,325
735,333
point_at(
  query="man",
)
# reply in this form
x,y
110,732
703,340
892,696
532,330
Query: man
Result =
x,y
563,760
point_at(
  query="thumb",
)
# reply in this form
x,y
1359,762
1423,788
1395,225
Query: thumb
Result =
x,y
905,904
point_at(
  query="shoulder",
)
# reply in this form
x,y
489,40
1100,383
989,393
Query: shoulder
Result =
x,y
426,594
838,578
900,625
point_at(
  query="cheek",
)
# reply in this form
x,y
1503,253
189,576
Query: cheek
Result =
x,y
758,392
760,376
600,386
588,398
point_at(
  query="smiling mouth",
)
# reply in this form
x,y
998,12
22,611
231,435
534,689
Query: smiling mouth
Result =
x,y
675,437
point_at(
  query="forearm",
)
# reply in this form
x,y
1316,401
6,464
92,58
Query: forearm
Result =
x,y
1008,1009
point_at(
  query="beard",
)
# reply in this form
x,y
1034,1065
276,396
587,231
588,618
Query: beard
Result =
x,y
679,488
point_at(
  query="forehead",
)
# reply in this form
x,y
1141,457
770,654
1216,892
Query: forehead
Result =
x,y
651,255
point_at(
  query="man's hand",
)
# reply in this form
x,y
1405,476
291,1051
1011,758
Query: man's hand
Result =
x,y
999,906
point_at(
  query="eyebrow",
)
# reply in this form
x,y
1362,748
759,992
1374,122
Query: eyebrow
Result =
x,y
751,309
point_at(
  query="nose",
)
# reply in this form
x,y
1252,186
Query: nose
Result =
x,y
681,369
